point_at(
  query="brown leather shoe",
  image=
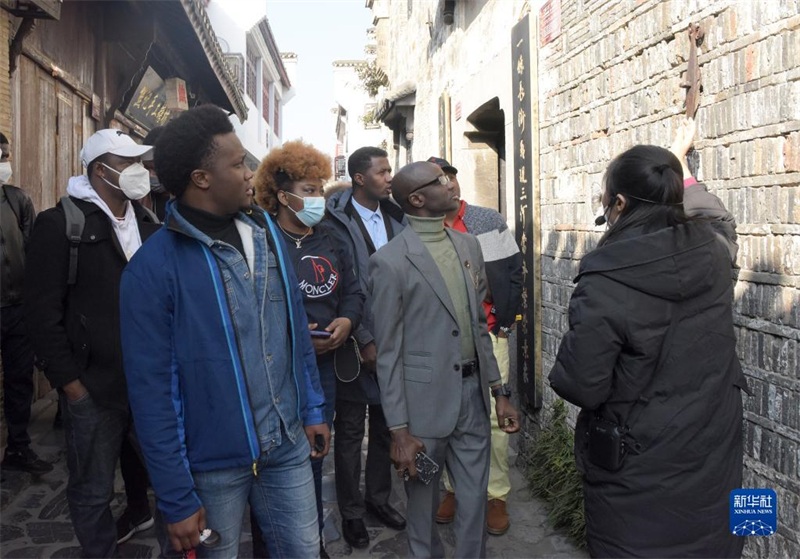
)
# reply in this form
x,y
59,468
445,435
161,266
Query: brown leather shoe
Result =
x,y
497,521
447,509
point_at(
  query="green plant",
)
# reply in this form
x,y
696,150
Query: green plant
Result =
x,y
368,118
552,476
372,77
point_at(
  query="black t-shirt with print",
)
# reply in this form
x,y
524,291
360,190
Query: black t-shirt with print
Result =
x,y
326,277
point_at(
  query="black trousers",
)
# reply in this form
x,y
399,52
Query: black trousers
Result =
x,y
134,474
17,356
349,435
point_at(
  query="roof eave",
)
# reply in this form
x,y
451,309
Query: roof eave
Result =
x,y
208,40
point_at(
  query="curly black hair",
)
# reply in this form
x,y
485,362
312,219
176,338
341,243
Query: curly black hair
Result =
x,y
153,136
186,144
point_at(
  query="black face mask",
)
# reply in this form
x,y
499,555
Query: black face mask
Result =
x,y
603,219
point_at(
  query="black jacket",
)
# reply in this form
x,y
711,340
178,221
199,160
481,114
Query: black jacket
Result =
x,y
16,222
671,500
698,202
75,329
342,215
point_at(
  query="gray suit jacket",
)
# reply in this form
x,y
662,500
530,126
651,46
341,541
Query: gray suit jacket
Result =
x,y
417,336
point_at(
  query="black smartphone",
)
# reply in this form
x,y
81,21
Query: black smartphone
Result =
x,y
319,443
319,334
426,467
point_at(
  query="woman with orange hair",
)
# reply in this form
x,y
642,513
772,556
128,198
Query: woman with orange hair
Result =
x,y
289,184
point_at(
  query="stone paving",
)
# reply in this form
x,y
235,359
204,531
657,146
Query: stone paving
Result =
x,y
35,519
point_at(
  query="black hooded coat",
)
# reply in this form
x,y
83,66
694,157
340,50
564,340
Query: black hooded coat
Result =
x,y
670,497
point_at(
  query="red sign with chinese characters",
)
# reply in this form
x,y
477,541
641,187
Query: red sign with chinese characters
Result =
x,y
549,21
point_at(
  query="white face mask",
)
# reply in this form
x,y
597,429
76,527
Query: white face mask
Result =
x,y
134,181
5,172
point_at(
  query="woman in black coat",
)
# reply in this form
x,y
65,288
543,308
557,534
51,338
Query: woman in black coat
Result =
x,y
650,357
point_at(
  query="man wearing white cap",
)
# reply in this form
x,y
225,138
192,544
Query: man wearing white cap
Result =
x,y
74,321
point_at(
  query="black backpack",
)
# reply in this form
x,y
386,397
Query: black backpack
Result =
x,y
75,223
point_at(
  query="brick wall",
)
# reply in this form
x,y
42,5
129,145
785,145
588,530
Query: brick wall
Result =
x,y
611,79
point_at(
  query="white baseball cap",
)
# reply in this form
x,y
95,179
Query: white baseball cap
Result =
x,y
111,141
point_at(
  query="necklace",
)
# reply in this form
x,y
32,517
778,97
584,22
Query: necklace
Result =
x,y
296,240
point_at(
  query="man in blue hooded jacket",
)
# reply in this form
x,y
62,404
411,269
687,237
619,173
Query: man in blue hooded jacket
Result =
x,y
221,372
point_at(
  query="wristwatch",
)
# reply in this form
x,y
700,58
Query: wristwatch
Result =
x,y
501,390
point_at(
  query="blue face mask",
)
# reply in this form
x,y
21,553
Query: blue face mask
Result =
x,y
313,209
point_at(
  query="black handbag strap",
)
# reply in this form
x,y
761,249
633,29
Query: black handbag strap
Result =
x,y
352,365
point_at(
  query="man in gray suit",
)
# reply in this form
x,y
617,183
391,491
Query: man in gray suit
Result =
x,y
435,362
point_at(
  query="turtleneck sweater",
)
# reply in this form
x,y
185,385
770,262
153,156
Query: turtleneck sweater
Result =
x,y
218,227
431,232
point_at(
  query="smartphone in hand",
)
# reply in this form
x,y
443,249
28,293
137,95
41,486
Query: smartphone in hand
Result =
x,y
319,334
426,467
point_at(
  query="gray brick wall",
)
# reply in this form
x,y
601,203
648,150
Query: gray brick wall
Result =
x,y
612,79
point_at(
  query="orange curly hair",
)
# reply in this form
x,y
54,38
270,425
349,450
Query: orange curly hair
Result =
x,y
293,161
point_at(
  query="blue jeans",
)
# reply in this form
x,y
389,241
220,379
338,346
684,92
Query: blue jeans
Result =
x,y
94,435
281,498
327,377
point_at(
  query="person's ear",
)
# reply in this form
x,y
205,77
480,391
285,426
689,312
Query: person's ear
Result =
x,y
621,203
99,169
416,199
200,179
282,198
358,179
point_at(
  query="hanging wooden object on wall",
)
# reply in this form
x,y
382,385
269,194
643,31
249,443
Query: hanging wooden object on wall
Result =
x,y
694,86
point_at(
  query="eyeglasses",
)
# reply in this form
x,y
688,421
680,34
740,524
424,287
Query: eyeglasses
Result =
x,y
441,179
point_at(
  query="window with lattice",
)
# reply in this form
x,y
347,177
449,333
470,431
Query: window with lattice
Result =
x,y
276,123
266,92
252,72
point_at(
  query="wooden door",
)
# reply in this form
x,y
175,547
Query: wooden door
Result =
x,y
50,119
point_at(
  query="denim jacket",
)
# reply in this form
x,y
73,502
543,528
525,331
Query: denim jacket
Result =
x,y
217,353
